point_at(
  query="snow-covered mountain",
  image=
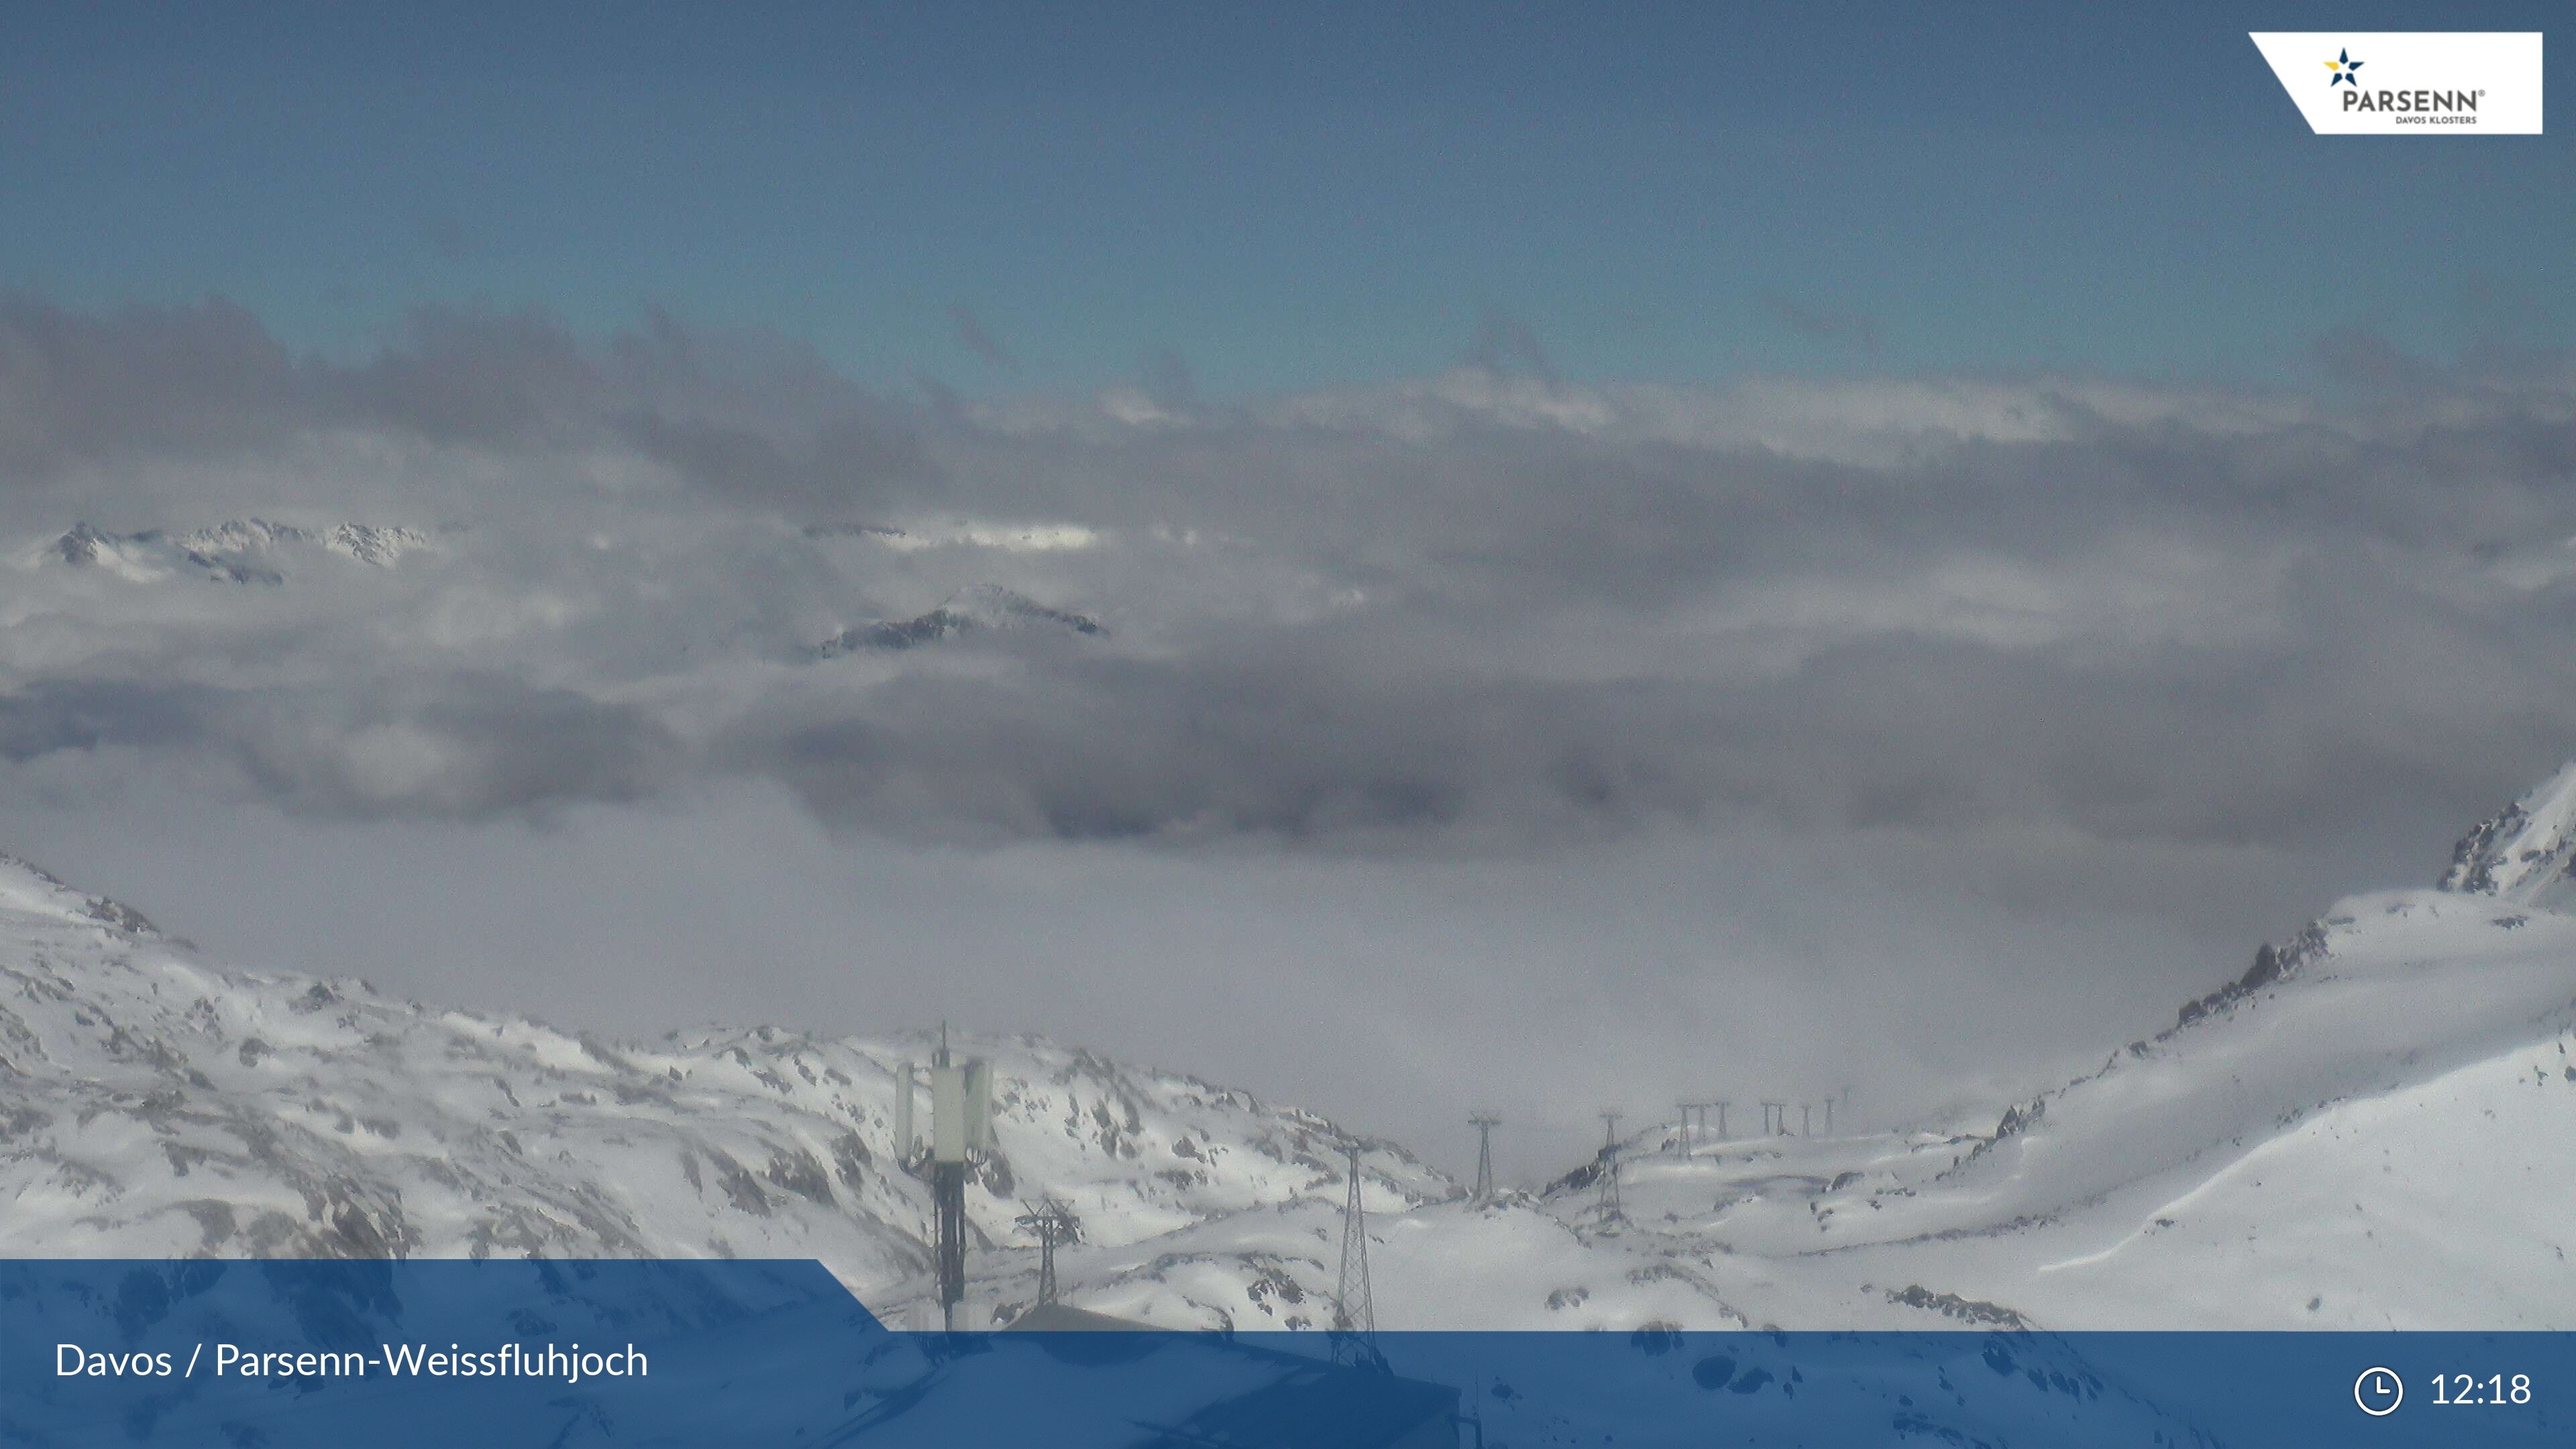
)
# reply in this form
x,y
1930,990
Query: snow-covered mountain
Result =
x,y
152,1104
982,608
240,551
2375,1125
2370,1129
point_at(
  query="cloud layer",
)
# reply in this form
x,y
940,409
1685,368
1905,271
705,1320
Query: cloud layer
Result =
x,y
1482,610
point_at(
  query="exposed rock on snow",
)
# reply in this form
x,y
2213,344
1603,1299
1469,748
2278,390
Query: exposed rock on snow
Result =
x,y
983,608
2526,853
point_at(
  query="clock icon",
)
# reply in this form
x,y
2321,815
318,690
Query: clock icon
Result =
x,y
2378,1391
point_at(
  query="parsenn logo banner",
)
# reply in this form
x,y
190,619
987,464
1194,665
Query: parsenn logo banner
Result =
x,y
2361,83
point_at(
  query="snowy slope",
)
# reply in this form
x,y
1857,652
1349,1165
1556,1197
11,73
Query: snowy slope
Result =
x,y
156,1105
2349,1019
2273,1160
1440,1266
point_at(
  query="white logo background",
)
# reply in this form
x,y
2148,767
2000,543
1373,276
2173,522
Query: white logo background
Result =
x,y
2501,68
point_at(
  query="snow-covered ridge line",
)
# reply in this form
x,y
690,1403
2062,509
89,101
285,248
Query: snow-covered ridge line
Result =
x,y
234,551
26,886
2271,965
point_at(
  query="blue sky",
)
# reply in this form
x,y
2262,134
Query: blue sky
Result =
x,y
1280,198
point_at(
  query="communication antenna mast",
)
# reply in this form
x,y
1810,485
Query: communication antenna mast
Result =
x,y
1054,1223
1484,1123
961,1132
1608,1171
1354,1311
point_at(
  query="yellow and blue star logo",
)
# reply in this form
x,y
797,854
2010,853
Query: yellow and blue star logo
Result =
x,y
2343,66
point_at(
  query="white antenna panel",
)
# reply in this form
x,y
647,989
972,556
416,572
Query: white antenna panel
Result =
x,y
979,1105
903,1112
948,1114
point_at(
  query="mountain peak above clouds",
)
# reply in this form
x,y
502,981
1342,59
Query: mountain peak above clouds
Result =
x,y
237,551
980,608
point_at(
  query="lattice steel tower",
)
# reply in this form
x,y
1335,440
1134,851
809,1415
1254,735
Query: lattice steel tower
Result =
x,y
1354,1311
1608,1171
1484,1123
1054,1223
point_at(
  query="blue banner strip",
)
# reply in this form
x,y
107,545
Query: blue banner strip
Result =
x,y
285,1355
